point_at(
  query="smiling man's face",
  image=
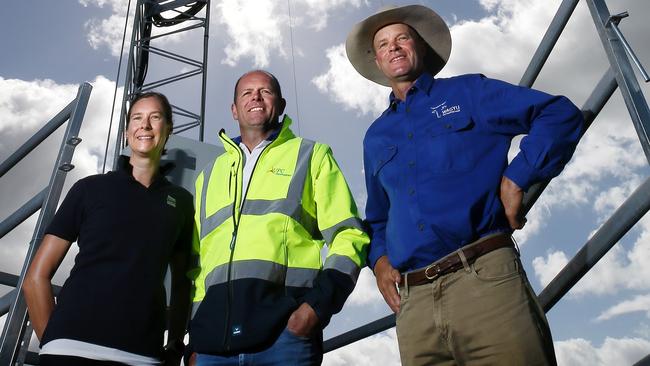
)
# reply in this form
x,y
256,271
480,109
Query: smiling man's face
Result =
x,y
257,104
399,52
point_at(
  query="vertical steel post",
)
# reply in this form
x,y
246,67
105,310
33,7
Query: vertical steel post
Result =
x,y
206,36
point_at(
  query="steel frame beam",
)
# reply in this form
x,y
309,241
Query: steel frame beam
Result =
x,y
15,339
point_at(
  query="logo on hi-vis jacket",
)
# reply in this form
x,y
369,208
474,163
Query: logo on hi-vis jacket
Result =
x,y
280,171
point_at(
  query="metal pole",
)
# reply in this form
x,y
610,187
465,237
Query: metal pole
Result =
x,y
613,22
356,334
22,213
36,139
128,83
628,214
632,95
206,35
548,42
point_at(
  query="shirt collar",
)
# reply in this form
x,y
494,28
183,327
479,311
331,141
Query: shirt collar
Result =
x,y
424,82
125,169
271,137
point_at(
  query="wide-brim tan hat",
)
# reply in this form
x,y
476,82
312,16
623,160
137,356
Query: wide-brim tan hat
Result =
x,y
425,21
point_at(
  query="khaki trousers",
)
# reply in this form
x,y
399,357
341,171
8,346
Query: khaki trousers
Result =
x,y
484,314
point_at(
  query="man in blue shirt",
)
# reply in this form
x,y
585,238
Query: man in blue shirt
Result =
x,y
443,199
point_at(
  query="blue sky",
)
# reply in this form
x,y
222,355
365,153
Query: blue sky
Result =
x,y
51,47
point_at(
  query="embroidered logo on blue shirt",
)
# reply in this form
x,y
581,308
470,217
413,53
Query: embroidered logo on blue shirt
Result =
x,y
171,201
442,110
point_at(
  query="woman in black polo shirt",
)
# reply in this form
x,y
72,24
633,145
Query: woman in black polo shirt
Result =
x,y
129,225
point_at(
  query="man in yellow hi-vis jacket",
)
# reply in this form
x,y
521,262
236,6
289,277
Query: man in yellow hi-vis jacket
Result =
x,y
264,210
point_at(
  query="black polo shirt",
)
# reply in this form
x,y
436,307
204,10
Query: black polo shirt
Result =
x,y
126,233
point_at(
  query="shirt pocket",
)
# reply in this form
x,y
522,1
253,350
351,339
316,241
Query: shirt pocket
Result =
x,y
384,155
384,167
450,146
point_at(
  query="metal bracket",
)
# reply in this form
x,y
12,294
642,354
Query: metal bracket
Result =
x,y
613,23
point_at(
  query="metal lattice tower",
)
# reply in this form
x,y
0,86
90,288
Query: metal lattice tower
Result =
x,y
183,16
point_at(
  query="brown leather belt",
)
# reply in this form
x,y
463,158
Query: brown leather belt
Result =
x,y
453,262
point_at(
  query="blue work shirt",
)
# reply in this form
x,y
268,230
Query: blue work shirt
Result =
x,y
434,162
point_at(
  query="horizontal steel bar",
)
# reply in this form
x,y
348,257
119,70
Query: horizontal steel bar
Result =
x,y
172,56
356,334
8,279
171,79
22,214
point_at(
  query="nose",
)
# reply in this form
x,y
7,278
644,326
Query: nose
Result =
x,y
146,123
257,95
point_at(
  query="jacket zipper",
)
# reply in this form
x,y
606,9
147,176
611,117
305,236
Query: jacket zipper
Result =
x,y
233,240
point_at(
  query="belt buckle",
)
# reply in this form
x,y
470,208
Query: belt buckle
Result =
x,y
436,268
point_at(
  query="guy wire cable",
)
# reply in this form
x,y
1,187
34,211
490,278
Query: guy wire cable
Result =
x,y
293,64
117,80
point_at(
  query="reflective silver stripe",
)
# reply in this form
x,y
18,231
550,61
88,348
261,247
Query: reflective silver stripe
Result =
x,y
208,224
195,307
262,270
301,277
216,219
343,264
286,206
329,233
291,205
253,268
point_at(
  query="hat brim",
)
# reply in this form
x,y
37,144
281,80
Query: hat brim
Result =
x,y
425,21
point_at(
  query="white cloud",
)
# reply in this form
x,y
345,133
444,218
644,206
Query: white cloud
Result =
x,y
265,22
109,32
345,86
580,352
318,11
639,303
252,24
378,349
620,269
248,24
547,268
365,292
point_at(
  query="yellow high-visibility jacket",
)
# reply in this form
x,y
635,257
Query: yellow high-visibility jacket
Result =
x,y
260,255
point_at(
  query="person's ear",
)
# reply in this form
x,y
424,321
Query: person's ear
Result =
x,y
233,109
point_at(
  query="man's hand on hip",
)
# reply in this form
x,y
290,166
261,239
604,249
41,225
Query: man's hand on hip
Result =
x,y
302,321
387,280
511,198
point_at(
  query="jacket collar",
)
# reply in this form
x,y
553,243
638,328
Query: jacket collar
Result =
x,y
278,136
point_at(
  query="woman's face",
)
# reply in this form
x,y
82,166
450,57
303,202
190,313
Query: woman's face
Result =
x,y
148,129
